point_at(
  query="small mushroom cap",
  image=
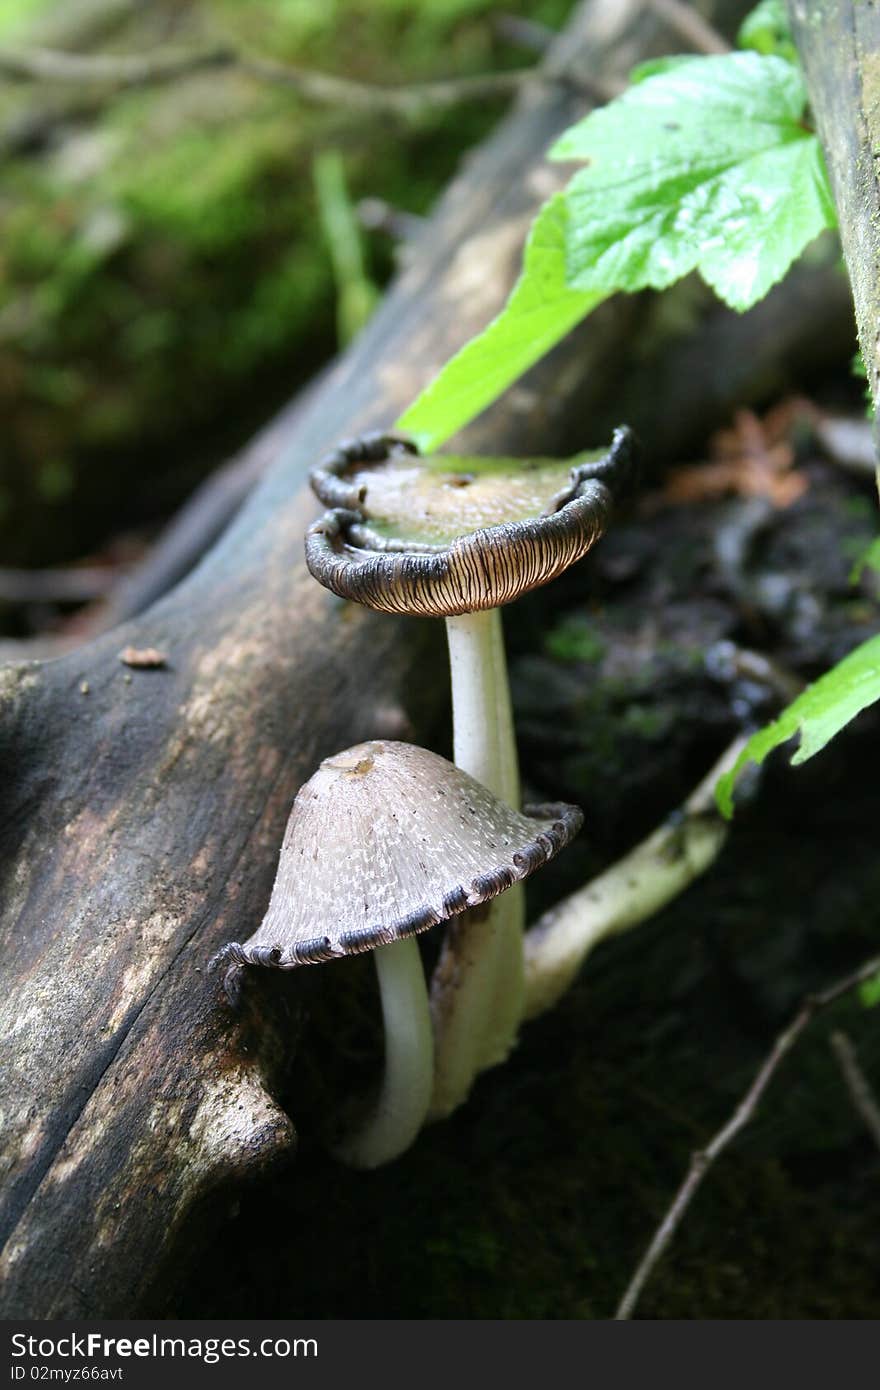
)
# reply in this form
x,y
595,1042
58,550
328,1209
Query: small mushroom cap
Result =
x,y
386,840
446,534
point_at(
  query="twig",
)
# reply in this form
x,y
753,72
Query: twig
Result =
x,y
690,26
703,1159
137,70
115,69
326,90
860,1093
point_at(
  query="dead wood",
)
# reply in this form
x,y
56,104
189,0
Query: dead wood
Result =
x,y
838,44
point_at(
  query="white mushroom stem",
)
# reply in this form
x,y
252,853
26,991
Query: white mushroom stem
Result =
x,y
403,1100
478,986
628,893
482,720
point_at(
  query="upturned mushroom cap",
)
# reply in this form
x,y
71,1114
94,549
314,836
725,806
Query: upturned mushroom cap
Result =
x,y
386,840
446,535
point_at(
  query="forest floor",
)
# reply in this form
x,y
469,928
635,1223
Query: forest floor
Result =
x,y
537,1199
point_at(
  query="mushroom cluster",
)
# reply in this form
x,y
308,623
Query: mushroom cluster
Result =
x,y
420,841
458,538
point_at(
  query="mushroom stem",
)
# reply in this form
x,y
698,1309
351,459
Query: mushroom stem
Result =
x,y
627,893
403,1100
477,990
482,719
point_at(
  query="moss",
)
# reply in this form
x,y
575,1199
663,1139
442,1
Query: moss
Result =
x,y
645,722
574,639
164,282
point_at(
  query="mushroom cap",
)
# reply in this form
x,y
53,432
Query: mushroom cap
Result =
x,y
386,840
446,534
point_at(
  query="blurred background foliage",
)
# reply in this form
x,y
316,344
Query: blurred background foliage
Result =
x,y
166,280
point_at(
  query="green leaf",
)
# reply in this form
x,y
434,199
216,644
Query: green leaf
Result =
x,y
652,67
704,166
869,992
356,295
819,713
541,309
766,30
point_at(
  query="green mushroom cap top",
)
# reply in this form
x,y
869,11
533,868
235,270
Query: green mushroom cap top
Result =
x,y
450,534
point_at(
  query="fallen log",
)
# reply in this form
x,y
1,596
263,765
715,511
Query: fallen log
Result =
x,y
838,48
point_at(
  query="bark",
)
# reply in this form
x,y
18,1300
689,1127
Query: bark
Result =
x,y
201,521
141,810
839,42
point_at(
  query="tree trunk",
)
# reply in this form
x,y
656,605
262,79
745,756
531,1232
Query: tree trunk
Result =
x,y
838,41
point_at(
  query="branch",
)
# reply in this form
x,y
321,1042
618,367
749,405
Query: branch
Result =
x,y
120,71
703,1159
114,69
408,102
857,1084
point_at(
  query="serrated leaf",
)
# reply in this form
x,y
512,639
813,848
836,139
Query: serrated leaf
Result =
x,y
819,712
541,309
705,166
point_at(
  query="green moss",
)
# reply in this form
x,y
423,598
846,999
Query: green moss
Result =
x,y
55,480
574,639
646,722
163,258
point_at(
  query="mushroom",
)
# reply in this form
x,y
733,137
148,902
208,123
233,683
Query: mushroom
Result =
x,y
457,538
384,841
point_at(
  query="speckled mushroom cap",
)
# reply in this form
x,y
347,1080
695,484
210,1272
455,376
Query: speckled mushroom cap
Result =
x,y
445,535
386,840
